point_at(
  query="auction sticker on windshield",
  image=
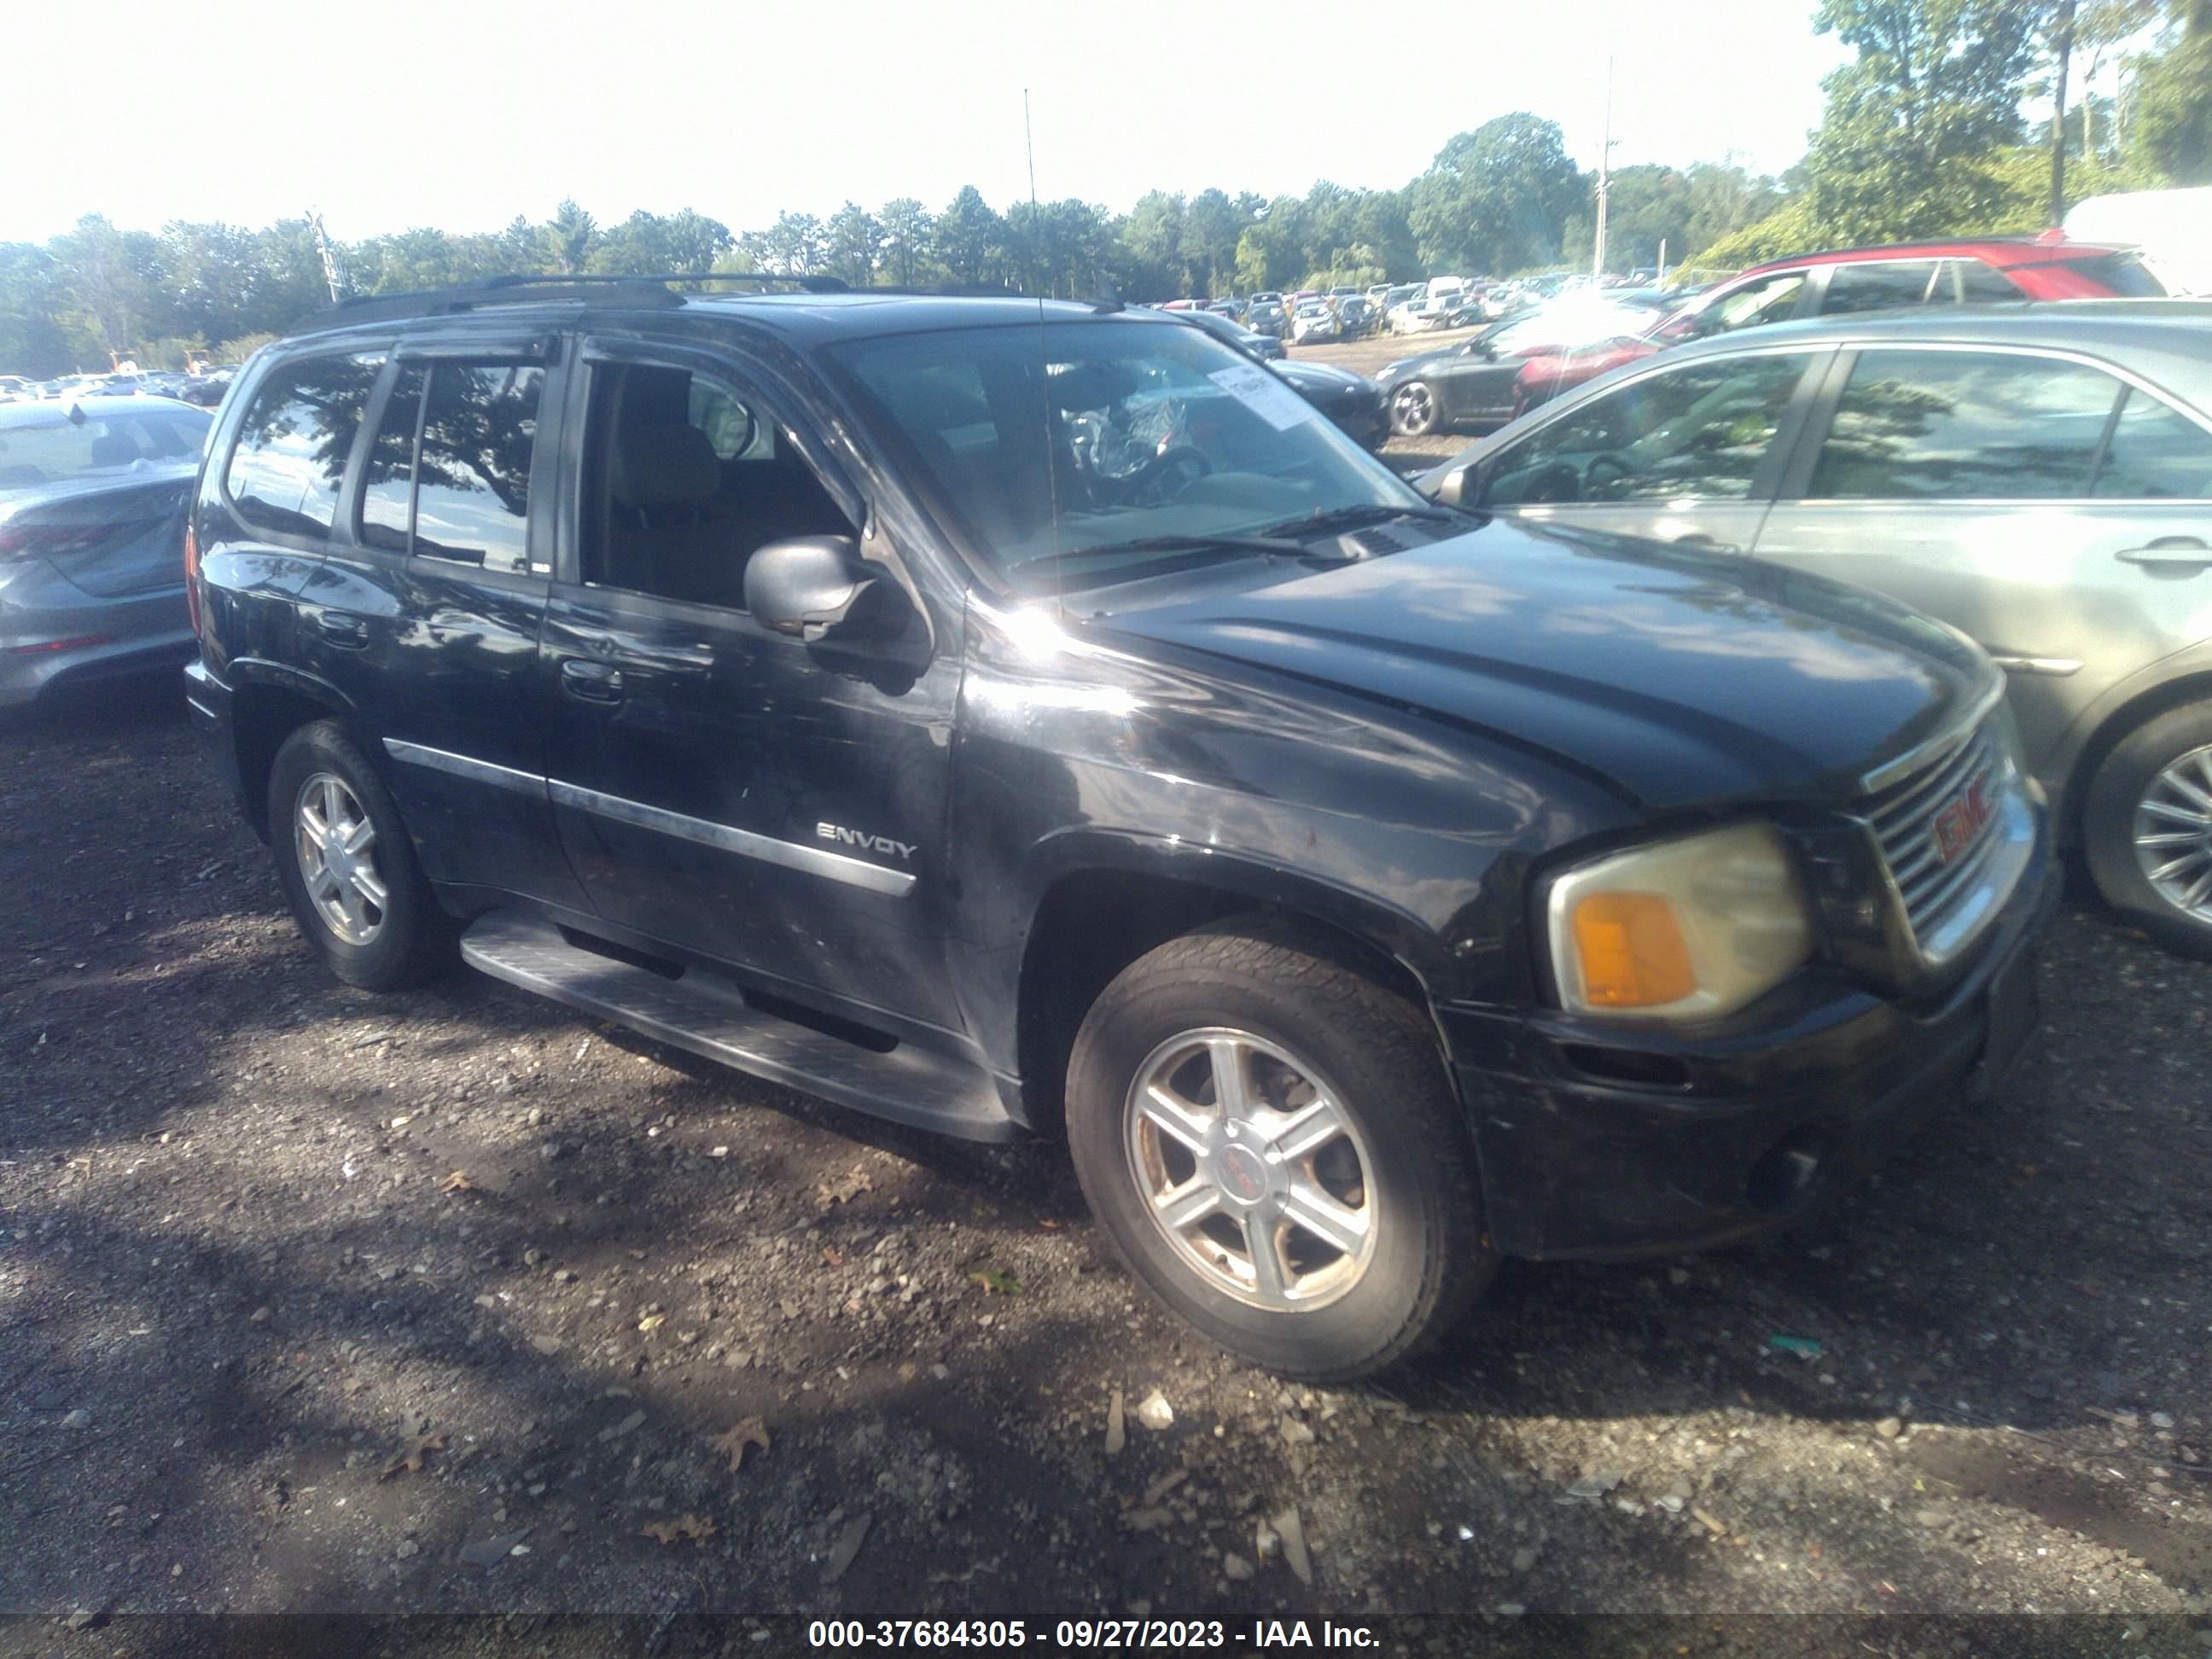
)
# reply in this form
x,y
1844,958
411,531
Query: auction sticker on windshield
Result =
x,y
1264,395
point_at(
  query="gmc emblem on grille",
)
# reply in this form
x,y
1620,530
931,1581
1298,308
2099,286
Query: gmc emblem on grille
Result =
x,y
1957,823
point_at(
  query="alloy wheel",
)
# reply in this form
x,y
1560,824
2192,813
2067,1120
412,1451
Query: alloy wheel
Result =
x,y
336,844
2173,833
1414,407
1252,1168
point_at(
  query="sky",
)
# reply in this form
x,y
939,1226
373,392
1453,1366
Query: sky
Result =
x,y
462,113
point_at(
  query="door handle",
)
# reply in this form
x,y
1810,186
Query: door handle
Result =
x,y
1697,538
591,682
343,629
2169,551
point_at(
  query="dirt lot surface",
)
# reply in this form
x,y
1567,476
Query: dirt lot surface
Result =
x,y
1367,354
313,1300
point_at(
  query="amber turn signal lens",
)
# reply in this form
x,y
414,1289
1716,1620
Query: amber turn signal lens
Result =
x,y
1631,952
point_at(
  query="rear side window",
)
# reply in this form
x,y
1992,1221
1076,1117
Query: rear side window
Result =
x,y
2123,274
1883,287
290,456
1979,283
2155,451
448,471
1926,425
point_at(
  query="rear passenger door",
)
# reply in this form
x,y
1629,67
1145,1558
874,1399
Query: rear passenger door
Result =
x,y
752,798
2049,508
427,612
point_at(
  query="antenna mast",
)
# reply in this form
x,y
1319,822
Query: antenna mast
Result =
x,y
1604,180
329,255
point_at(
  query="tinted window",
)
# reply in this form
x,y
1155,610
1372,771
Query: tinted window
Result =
x,y
1768,301
472,471
387,489
292,445
1700,430
2156,450
2123,274
1881,288
1917,424
1978,282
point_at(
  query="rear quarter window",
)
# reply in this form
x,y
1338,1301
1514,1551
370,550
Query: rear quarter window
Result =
x,y
289,456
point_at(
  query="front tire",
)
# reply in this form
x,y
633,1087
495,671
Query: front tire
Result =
x,y
347,868
2147,828
1413,412
1269,1139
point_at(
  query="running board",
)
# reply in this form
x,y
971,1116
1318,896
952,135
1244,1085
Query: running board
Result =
x,y
707,1015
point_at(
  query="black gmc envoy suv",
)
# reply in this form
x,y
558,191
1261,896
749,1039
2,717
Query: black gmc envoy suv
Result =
x,y
1007,716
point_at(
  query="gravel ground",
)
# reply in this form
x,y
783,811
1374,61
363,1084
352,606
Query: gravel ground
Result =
x,y
316,1300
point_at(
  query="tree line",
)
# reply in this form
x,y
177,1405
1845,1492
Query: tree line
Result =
x,y
1921,135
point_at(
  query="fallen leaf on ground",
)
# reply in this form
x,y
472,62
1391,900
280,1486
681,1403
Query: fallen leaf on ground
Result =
x,y
457,1182
1047,1224
843,1191
695,1529
650,1322
999,1281
750,1432
410,1456
832,1256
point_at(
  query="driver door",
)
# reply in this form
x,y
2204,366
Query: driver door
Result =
x,y
1691,452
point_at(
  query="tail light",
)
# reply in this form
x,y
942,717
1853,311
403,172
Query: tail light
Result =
x,y
192,574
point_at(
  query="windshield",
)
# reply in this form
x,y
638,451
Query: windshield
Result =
x,y
1077,438
42,445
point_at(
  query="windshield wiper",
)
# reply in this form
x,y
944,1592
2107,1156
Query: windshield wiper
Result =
x,y
1270,546
1358,516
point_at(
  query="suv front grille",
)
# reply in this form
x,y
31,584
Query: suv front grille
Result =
x,y
1945,832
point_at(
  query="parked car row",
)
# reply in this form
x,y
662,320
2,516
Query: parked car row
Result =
x,y
204,390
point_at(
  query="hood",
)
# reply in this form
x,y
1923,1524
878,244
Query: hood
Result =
x,y
1675,679
1320,381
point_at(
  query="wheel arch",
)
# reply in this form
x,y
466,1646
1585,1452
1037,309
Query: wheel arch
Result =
x,y
1094,918
2111,728
268,702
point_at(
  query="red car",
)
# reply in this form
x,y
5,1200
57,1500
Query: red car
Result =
x,y
1968,271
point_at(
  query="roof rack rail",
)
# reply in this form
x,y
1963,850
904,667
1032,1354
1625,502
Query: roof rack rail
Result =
x,y
654,290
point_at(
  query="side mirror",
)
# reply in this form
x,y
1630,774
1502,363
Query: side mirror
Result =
x,y
1461,487
818,587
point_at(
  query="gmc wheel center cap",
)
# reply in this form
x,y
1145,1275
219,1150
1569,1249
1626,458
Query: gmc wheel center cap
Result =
x,y
1240,1173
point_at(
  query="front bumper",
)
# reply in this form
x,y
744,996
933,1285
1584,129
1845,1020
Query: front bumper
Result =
x,y
1596,1145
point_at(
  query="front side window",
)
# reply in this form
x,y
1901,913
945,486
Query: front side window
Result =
x,y
1921,425
1697,431
687,476
292,447
1980,283
2155,452
1885,287
1056,451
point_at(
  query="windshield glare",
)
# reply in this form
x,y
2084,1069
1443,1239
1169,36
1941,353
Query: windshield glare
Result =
x,y
1078,436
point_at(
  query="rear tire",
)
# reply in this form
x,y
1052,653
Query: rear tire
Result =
x,y
2147,828
347,868
1235,1085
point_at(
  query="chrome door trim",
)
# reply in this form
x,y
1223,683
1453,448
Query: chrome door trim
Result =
x,y
465,766
2057,668
790,855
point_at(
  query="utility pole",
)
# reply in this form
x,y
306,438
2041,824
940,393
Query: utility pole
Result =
x,y
2062,46
1604,169
329,255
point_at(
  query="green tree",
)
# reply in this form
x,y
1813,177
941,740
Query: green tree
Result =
x,y
567,237
970,239
907,233
649,243
1211,226
1497,198
1934,90
854,241
2172,115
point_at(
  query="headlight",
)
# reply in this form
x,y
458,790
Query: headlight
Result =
x,y
1686,929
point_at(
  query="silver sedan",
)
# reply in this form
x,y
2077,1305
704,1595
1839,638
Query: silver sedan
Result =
x,y
92,519
2037,476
